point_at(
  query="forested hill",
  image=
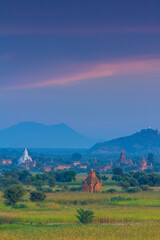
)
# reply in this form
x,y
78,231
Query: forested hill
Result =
x,y
143,142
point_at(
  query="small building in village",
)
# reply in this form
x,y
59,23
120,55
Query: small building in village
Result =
x,y
6,161
62,167
75,163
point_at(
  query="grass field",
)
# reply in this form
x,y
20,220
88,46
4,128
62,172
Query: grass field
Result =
x,y
118,216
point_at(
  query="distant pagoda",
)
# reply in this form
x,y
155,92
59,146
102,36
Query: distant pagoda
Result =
x,y
123,160
144,165
25,159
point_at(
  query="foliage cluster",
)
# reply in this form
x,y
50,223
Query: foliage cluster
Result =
x,y
14,194
39,180
85,216
136,179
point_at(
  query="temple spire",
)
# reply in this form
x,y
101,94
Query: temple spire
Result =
x,y
24,157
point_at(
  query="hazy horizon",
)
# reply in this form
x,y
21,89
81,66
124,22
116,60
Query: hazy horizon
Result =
x,y
62,123
93,65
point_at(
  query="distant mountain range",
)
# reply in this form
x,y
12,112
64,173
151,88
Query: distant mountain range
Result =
x,y
143,142
36,135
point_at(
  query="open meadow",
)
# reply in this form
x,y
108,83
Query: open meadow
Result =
x,y
118,216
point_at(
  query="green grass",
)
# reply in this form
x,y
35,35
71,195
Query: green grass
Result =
x,y
61,208
80,232
132,216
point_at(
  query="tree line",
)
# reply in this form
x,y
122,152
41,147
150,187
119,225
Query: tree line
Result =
x,y
140,180
50,179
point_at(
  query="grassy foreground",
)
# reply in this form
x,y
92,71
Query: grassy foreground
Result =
x,y
118,216
140,231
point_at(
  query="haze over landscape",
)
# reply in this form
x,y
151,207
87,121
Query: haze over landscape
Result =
x,y
80,119
94,66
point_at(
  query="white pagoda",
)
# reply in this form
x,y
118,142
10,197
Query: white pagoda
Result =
x,y
24,158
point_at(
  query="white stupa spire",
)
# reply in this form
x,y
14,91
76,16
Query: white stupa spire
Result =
x,y
24,157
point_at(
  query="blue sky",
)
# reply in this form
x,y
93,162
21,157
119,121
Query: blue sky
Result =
x,y
94,65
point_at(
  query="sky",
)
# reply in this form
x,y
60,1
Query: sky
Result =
x,y
94,65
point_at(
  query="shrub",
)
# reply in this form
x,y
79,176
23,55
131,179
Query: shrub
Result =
x,y
16,206
73,189
65,188
75,202
111,190
117,178
65,176
47,190
117,171
119,199
144,187
83,202
85,216
133,182
13,194
37,196
134,190
52,182
124,184
104,178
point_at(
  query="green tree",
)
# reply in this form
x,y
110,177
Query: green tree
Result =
x,y
25,177
65,176
37,197
39,165
85,216
125,185
98,175
13,194
51,182
133,182
118,171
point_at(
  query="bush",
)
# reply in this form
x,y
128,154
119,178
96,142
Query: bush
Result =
x,y
37,196
117,171
134,190
119,199
133,182
52,182
144,187
104,178
65,176
73,189
111,190
124,184
65,188
117,178
75,202
47,190
85,216
17,206
83,202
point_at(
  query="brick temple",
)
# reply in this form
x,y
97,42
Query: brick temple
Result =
x,y
92,183
144,165
124,160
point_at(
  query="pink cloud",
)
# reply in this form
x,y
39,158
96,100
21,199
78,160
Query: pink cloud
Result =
x,y
100,70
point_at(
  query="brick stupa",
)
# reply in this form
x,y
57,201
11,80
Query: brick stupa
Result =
x,y
144,165
92,183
